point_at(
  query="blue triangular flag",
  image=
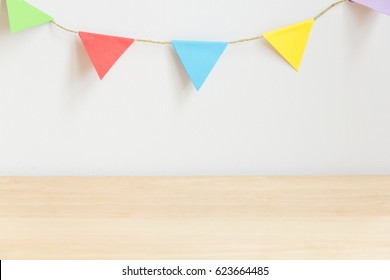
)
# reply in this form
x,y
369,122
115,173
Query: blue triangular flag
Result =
x,y
199,58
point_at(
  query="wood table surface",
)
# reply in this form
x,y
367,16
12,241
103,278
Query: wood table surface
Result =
x,y
127,218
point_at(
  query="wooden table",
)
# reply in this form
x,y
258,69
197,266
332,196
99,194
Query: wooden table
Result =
x,y
195,218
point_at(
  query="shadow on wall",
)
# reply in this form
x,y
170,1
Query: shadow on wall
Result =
x,y
361,22
80,72
4,26
83,64
185,81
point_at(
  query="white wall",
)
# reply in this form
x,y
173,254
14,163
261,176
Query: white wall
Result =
x,y
254,116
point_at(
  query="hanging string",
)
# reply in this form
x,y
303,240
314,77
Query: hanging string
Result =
x,y
231,42
246,40
329,8
63,28
153,42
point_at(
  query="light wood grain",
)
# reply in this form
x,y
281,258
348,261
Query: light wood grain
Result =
x,y
195,218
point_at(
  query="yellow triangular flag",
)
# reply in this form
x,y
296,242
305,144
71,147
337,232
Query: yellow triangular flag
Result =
x,y
291,41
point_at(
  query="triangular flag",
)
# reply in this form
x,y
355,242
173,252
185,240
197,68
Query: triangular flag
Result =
x,y
382,6
199,58
104,50
24,16
291,41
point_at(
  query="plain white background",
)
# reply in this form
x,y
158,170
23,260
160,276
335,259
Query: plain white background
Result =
x,y
254,116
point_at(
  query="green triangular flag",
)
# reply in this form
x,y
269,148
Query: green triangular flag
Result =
x,y
24,16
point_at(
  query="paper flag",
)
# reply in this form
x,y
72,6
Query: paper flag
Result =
x,y
24,16
199,58
382,6
291,41
104,50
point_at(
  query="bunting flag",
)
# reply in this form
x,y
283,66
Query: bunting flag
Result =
x,y
382,6
24,16
104,50
199,58
291,41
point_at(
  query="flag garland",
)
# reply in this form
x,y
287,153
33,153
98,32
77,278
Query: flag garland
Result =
x,y
104,50
291,41
23,16
198,57
382,6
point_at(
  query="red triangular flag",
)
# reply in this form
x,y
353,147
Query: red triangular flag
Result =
x,y
104,50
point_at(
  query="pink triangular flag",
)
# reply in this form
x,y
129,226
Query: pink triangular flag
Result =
x,y
382,6
104,50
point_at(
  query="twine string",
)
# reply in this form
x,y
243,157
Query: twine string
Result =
x,y
231,42
63,28
329,8
246,40
153,41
